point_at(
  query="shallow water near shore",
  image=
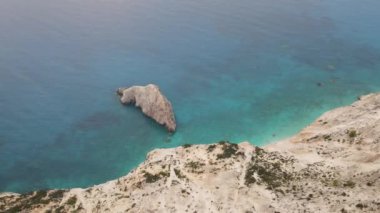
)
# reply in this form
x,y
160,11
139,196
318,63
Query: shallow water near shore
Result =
x,y
256,70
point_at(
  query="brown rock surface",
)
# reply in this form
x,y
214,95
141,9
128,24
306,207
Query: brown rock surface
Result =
x,y
152,103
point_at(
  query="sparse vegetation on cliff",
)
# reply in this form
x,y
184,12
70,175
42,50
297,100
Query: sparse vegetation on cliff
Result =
x,y
229,150
186,145
352,134
265,168
151,178
314,171
72,201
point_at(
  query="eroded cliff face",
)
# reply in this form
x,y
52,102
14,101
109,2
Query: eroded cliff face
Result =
x,y
333,165
152,103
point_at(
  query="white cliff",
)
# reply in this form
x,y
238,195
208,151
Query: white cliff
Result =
x,y
333,165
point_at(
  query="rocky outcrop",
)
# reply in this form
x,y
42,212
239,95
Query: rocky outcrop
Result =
x,y
333,165
152,103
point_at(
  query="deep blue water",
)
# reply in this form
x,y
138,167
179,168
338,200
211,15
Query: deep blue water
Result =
x,y
234,70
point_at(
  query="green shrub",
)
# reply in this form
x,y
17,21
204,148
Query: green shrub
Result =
x,y
229,149
71,201
194,165
57,194
352,134
259,151
249,176
179,174
211,148
360,206
335,183
151,178
186,145
350,184
327,137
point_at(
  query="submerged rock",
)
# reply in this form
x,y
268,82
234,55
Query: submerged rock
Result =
x,y
152,103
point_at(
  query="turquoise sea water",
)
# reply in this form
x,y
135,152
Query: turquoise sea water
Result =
x,y
257,70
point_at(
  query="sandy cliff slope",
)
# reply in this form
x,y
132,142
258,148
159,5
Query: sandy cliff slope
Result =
x,y
333,165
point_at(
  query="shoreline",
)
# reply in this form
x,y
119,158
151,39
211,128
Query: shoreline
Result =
x,y
122,166
337,157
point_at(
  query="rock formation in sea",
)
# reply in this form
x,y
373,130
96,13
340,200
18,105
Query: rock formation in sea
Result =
x,y
152,103
333,165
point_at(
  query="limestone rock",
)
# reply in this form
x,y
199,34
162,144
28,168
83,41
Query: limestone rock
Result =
x,y
152,103
333,165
